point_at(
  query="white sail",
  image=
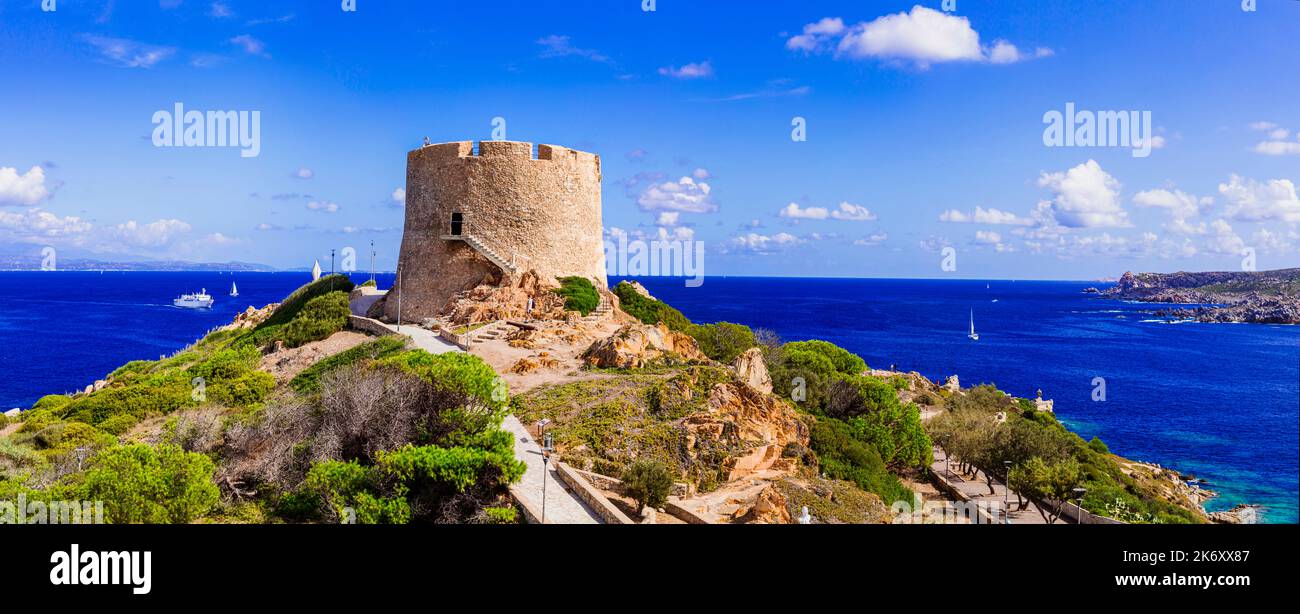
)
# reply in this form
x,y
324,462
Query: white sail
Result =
x,y
315,270
973,335
234,291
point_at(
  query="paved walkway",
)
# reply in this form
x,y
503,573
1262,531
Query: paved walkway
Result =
x,y
424,338
562,506
977,490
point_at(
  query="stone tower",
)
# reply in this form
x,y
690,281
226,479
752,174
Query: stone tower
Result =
x,y
475,217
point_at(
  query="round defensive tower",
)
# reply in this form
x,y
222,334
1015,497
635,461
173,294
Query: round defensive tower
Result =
x,y
475,217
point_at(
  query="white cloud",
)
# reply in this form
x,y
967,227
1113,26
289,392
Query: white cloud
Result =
x,y
39,225
816,34
155,235
325,206
1277,143
1266,239
668,218
1180,205
24,190
1250,200
695,70
250,45
763,244
304,173
1086,197
872,240
220,10
128,53
794,211
1223,240
687,195
558,46
853,213
984,216
923,36
1263,126
399,196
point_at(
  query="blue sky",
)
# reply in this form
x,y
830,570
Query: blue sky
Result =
x,y
924,127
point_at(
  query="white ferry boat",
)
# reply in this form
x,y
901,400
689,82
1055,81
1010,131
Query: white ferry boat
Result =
x,y
194,301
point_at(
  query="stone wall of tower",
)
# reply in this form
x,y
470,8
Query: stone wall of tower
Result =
x,y
543,213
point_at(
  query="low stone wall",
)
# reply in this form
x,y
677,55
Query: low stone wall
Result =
x,y
942,483
1071,512
460,341
676,510
592,497
532,515
605,482
368,325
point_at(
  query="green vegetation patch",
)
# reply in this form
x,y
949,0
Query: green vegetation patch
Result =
x,y
579,294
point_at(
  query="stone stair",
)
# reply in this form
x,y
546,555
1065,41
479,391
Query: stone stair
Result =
x,y
602,311
489,253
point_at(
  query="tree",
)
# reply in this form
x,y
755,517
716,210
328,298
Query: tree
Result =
x,y
648,482
1046,482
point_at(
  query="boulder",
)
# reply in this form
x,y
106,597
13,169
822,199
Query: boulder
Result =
x,y
13,413
740,417
640,289
771,507
635,345
752,370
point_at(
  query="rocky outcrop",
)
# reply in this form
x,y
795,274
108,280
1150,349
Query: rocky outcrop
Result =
x,y
251,317
740,417
640,289
771,507
751,369
1262,297
1241,514
506,300
635,345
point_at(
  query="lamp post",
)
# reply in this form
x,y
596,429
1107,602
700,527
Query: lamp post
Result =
x,y
1006,493
1078,496
546,461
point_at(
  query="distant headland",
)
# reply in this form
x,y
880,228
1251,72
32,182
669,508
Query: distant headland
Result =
x,y
1261,297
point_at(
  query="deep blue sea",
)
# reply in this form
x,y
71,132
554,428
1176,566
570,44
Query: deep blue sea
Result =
x,y
1216,400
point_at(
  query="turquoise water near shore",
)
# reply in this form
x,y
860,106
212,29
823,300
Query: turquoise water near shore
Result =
x,y
1219,401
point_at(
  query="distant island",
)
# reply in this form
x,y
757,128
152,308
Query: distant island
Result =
x,y
24,263
1260,297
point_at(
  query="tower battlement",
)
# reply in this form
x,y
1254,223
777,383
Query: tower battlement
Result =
x,y
514,150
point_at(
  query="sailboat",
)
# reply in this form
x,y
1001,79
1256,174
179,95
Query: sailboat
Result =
x,y
974,336
233,290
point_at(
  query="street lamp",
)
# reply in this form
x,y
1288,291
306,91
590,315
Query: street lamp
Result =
x,y
1006,493
1078,496
546,461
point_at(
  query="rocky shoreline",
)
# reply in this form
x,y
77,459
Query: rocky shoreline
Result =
x,y
1265,297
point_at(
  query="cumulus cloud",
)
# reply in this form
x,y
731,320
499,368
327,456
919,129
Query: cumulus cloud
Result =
x,y
399,197
872,240
220,10
323,206
845,212
155,235
1180,205
1277,141
24,189
1085,197
668,218
1250,200
984,216
559,46
688,195
922,36
304,173
695,70
35,225
763,244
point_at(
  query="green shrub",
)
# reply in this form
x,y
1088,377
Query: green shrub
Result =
x,y
4,421
369,283
319,318
243,391
162,396
118,424
297,301
143,484
52,402
308,380
501,515
843,456
841,359
227,364
579,294
36,419
648,310
722,341
1098,446
648,482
